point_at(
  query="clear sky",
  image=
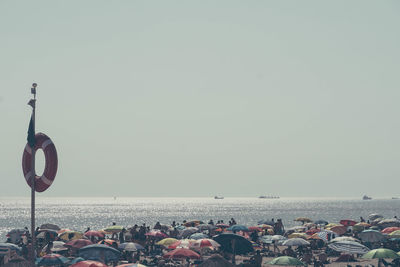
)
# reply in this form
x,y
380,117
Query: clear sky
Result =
x,y
204,98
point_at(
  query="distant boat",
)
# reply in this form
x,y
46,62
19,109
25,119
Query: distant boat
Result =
x,y
217,197
395,197
269,197
365,197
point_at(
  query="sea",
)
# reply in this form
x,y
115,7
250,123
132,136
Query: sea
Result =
x,y
97,213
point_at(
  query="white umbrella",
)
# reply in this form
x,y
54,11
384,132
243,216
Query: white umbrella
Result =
x,y
344,238
296,242
374,216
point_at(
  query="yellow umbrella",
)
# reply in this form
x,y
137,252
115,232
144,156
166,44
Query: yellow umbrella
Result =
x,y
298,235
395,234
70,235
167,241
329,225
303,219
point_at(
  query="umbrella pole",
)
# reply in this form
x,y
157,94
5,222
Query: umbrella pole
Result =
x,y
33,254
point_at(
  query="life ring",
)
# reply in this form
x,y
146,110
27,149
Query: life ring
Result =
x,y
51,162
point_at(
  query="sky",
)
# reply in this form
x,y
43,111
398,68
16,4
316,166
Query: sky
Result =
x,y
203,98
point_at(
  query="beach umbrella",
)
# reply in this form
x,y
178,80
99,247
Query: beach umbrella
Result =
x,y
187,232
296,228
131,265
70,235
344,238
206,242
329,225
156,234
57,246
361,226
78,243
63,230
109,242
347,222
295,242
93,233
389,230
193,223
298,235
340,229
321,222
389,223
374,216
130,246
238,228
222,225
88,263
181,253
216,260
10,246
51,260
349,247
43,233
394,234
303,219
265,226
255,228
313,231
286,260
204,227
371,236
183,243
50,226
234,243
380,253
269,239
167,241
197,236
268,222
99,252
113,229
327,235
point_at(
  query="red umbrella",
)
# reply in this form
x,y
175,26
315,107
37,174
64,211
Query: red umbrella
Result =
x,y
388,230
109,242
157,234
183,243
347,222
181,253
78,243
255,228
88,264
222,225
312,231
94,233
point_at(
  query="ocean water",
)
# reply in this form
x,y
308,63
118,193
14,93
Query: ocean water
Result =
x,y
97,213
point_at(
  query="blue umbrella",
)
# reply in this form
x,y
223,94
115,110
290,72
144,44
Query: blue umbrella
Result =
x,y
51,260
10,246
197,236
99,252
238,227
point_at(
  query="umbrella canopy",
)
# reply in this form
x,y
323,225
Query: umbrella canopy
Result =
x,y
78,243
348,222
216,261
389,230
344,238
340,229
183,243
88,264
193,223
237,228
374,216
10,246
51,260
188,231
303,219
327,235
203,227
113,229
233,243
286,260
349,247
197,236
109,242
361,226
70,235
296,242
394,234
90,233
50,226
99,252
156,234
206,242
269,239
268,222
131,265
76,260
371,236
57,246
167,241
181,253
298,235
389,223
381,253
44,233
130,246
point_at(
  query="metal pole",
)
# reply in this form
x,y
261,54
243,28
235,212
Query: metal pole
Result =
x,y
33,252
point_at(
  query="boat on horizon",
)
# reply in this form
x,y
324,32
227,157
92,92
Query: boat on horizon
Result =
x,y
217,197
269,197
365,197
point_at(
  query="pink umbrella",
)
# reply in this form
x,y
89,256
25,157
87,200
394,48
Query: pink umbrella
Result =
x,y
94,233
205,242
183,243
181,253
78,243
158,234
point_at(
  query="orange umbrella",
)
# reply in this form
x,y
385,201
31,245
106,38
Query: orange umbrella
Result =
x,y
340,230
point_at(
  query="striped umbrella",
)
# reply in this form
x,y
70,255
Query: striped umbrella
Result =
x,y
349,247
51,260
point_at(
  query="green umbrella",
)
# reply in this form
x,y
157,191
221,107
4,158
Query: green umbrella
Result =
x,y
286,260
381,253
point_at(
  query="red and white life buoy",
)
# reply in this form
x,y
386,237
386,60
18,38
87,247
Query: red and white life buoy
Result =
x,y
51,162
